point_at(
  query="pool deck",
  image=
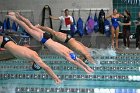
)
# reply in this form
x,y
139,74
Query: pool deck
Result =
x,y
131,50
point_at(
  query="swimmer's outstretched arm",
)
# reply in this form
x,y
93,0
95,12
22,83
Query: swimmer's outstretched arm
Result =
x,y
38,60
78,63
28,54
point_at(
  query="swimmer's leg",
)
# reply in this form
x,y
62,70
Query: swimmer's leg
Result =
x,y
27,22
117,35
35,34
84,52
112,37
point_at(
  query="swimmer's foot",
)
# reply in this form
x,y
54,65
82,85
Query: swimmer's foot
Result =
x,y
11,13
38,26
18,15
11,16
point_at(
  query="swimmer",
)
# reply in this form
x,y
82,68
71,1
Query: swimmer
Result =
x,y
71,42
115,27
45,39
26,53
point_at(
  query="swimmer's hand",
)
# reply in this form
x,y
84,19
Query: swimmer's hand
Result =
x,y
57,81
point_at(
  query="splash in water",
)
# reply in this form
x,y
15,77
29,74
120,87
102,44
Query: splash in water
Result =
x,y
8,88
108,52
61,85
102,52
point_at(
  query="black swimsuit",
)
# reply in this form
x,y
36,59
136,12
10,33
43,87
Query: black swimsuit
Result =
x,y
5,40
68,38
45,37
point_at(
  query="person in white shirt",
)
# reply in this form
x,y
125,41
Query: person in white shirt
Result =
x,y
66,22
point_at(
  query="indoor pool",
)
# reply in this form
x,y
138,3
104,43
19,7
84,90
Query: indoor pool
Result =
x,y
113,73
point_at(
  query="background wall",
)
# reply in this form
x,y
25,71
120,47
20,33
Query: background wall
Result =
x,y
56,5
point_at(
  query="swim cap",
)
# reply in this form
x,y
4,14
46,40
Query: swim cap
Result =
x,y
73,56
36,66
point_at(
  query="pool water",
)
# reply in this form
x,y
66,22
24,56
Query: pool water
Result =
x,y
113,73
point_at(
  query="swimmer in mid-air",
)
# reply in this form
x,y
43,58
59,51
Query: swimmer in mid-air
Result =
x,y
26,53
72,43
45,39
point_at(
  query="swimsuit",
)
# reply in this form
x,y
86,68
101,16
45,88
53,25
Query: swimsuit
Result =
x,y
68,38
46,36
36,66
73,56
5,40
115,23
